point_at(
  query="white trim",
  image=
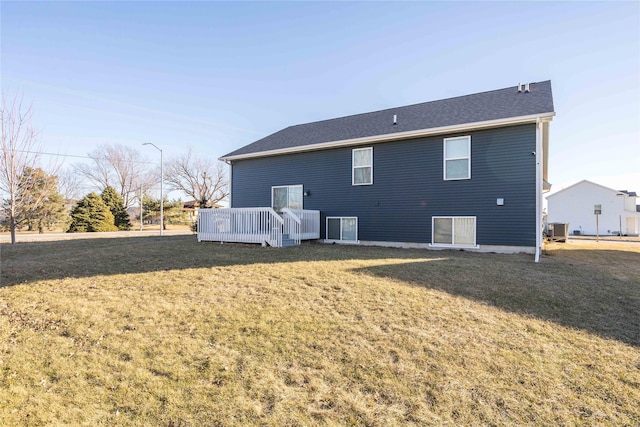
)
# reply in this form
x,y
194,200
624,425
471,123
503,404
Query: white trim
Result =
x,y
341,240
539,156
230,182
445,159
398,135
353,166
287,187
453,231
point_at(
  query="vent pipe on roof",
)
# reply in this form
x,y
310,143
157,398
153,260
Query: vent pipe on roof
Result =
x,y
519,87
526,88
395,119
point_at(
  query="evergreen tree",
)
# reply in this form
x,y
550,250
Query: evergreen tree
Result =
x,y
91,214
150,209
173,212
50,213
38,204
116,205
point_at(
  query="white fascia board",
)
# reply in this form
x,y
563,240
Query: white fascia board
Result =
x,y
398,135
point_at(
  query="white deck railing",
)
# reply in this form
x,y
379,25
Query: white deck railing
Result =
x,y
291,228
240,225
309,223
257,225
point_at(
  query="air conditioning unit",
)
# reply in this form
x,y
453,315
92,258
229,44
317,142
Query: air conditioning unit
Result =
x,y
558,231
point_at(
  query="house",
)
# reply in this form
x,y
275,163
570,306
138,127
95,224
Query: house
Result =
x,y
191,207
577,204
465,172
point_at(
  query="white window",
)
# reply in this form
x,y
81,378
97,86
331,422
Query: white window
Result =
x,y
286,196
362,162
453,230
457,158
342,228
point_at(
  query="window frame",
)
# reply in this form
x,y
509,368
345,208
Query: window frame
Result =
x,y
445,159
353,166
453,231
288,187
341,240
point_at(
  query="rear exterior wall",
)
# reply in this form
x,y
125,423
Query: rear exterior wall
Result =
x,y
408,186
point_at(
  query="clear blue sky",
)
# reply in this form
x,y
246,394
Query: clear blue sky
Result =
x,y
216,76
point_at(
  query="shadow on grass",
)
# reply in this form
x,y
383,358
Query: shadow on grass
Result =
x,y
36,261
572,292
584,289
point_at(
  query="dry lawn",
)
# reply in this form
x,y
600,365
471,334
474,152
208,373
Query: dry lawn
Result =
x,y
171,332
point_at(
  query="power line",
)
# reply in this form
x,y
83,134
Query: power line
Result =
x,y
79,157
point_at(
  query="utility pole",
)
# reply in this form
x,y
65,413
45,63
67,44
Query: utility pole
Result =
x,y
161,179
141,206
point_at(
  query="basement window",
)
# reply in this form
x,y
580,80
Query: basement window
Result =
x,y
342,229
453,231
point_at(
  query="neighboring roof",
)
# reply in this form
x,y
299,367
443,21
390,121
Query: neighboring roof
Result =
x,y
620,192
495,105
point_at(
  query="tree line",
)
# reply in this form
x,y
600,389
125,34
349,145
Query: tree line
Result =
x,y
36,196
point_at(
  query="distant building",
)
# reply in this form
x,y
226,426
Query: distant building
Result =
x,y
191,207
577,203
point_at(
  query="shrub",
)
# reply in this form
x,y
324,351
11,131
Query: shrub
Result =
x,y
91,214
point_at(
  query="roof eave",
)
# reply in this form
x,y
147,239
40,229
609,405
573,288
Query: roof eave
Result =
x,y
548,116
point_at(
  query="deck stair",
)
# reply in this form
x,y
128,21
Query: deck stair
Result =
x,y
288,241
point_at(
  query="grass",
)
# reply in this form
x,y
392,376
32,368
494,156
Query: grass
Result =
x,y
166,331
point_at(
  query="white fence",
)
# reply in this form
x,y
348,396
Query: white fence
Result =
x,y
258,225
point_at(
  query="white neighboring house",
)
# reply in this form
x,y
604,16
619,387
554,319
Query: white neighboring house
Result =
x,y
576,205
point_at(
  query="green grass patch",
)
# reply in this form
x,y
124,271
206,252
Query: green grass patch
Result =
x,y
168,331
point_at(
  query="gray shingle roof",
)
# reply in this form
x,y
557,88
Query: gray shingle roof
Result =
x,y
479,107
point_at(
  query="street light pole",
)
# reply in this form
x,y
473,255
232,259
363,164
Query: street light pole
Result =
x,y
161,179
141,224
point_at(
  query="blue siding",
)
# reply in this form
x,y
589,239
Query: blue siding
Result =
x,y
408,186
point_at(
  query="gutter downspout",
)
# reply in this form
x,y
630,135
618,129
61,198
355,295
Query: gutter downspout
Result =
x,y
229,162
539,158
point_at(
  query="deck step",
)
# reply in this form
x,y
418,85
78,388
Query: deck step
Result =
x,y
288,242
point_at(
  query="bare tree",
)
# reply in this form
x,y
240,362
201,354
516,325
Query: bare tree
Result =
x,y
70,185
117,166
19,150
21,153
201,178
